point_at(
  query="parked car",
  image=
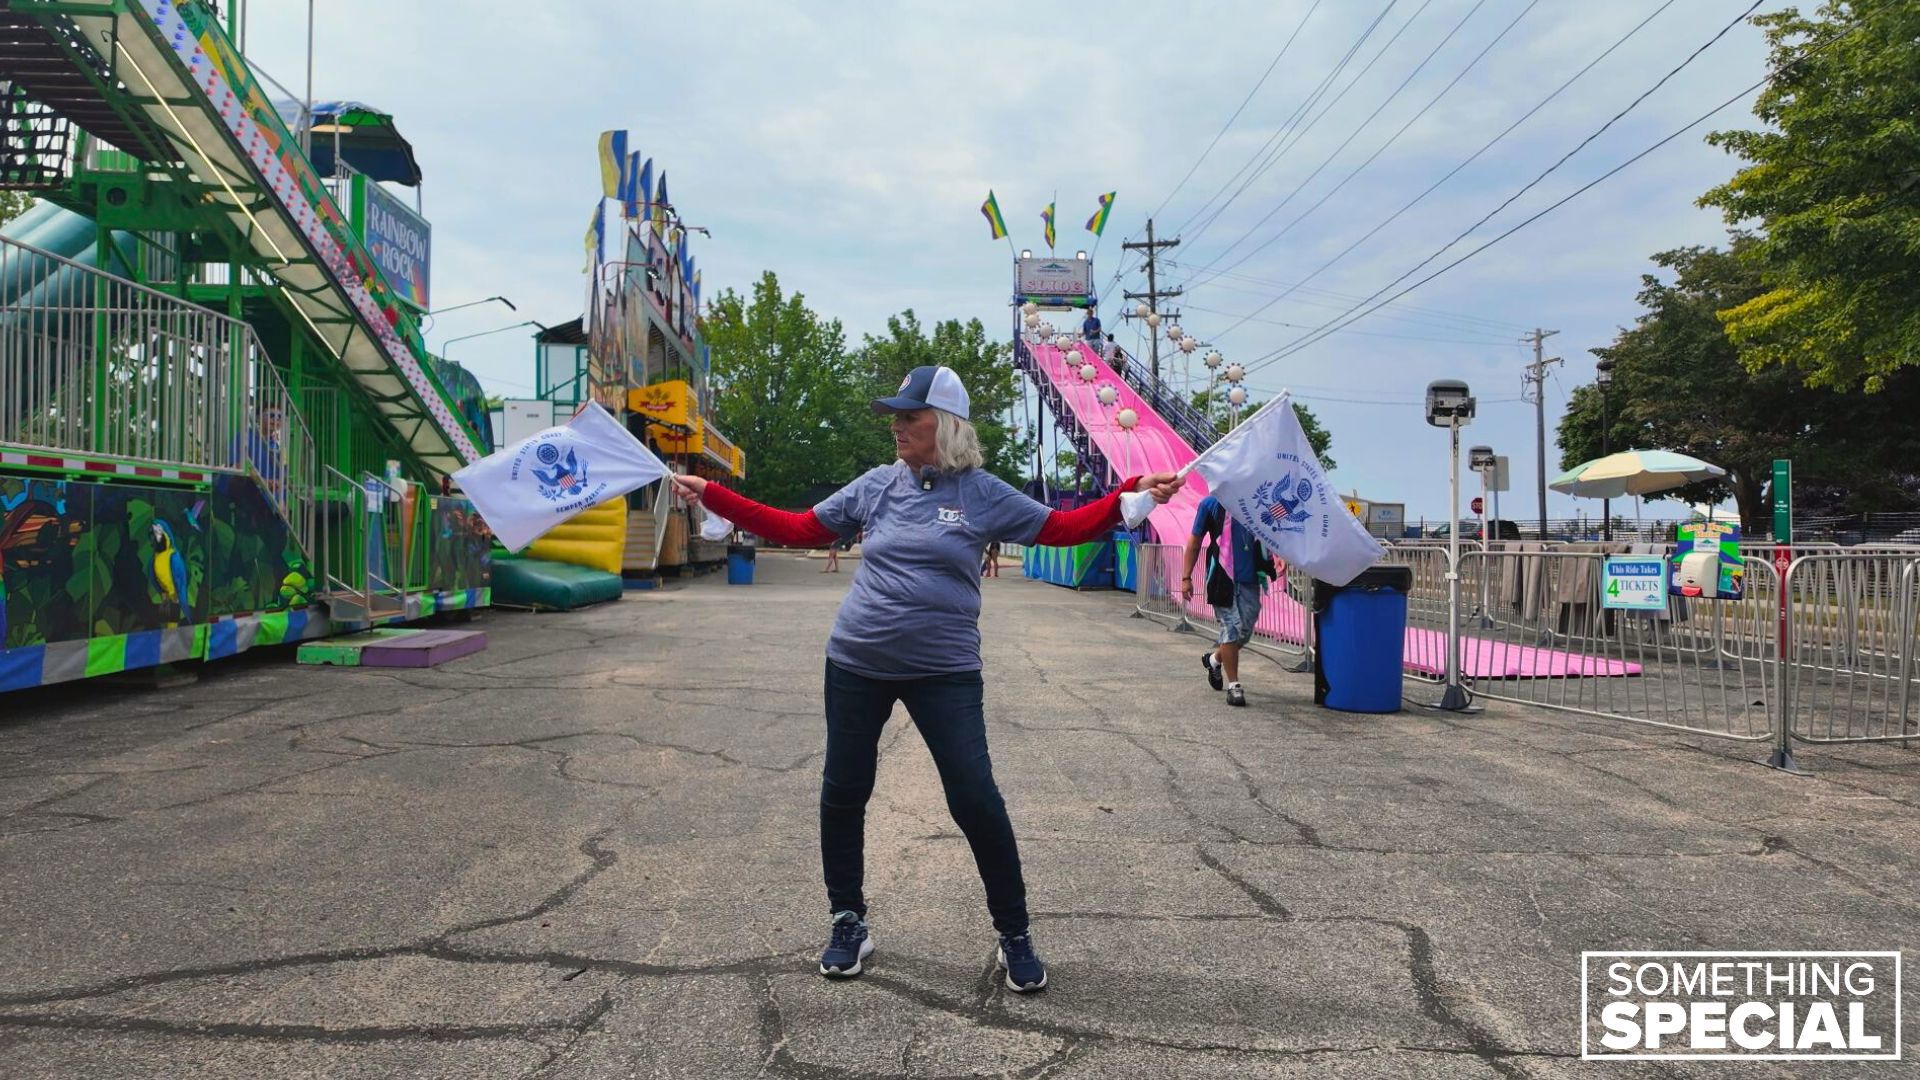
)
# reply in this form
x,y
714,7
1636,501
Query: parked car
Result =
x,y
1502,530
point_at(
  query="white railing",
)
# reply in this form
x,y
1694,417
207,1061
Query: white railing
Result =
x,y
96,365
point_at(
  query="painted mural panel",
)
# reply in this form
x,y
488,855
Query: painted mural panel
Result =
x,y
149,550
41,525
462,546
93,560
257,566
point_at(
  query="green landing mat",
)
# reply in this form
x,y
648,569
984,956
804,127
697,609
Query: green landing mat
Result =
x,y
345,651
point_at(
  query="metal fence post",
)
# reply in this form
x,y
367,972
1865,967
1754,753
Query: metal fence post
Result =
x,y
1782,755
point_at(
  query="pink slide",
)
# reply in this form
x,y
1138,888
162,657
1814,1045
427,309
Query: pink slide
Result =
x,y
1152,445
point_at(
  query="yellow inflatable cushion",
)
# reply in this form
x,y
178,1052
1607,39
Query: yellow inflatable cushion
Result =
x,y
594,538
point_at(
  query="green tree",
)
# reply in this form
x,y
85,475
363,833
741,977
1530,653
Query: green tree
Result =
x,y
1834,182
1681,383
13,204
1066,469
983,365
785,390
1318,436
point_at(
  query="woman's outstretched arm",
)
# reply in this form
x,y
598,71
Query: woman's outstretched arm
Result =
x,y
780,526
1064,528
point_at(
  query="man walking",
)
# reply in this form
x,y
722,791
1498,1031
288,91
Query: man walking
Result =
x,y
1237,611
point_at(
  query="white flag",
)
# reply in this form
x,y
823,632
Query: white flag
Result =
x,y
1266,475
542,480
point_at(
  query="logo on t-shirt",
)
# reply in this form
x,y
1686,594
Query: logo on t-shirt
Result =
x,y
952,515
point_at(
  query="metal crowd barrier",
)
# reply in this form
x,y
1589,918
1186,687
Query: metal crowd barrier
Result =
x,y
1848,659
1284,629
1544,638
1825,654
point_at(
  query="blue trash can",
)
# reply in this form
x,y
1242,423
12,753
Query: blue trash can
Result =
x,y
1360,633
739,564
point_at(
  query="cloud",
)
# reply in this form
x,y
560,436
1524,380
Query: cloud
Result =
x,y
846,147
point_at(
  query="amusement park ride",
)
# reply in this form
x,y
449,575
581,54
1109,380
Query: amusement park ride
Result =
x,y
220,425
1120,418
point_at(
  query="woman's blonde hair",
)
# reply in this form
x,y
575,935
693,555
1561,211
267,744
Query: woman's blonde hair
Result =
x,y
957,443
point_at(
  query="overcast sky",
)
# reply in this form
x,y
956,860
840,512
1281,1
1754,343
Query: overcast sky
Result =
x,y
848,147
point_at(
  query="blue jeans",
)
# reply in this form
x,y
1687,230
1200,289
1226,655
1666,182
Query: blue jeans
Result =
x,y
951,716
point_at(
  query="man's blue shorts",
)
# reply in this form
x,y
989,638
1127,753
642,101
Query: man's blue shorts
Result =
x,y
1237,619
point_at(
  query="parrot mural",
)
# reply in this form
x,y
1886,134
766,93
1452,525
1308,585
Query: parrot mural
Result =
x,y
170,570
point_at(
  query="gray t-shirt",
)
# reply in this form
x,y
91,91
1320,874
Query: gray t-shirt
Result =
x,y
914,608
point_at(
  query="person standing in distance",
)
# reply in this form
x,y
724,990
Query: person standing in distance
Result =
x,y
909,632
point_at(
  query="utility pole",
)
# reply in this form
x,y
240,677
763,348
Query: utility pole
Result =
x,y
1153,295
1536,379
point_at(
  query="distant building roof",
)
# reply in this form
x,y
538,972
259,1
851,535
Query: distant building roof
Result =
x,y
367,138
572,332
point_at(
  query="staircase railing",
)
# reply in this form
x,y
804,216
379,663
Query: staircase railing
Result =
x,y
369,557
97,365
1179,413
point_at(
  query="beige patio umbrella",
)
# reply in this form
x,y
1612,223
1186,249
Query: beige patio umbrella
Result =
x,y
1636,473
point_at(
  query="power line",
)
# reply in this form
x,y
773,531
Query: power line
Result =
x,y
1340,321
1368,122
1412,404
1419,316
1236,113
1470,159
1478,342
1292,347
1299,132
1383,147
1291,121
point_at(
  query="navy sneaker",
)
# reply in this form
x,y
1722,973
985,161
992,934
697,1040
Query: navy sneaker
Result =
x,y
1236,696
1025,972
1214,678
848,946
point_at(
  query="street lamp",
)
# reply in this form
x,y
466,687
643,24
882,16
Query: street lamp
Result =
x,y
1450,405
445,345
474,303
1603,375
1481,459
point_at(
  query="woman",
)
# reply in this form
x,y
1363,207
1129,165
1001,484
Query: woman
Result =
x,y
909,631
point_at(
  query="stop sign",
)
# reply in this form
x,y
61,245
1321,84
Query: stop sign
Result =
x,y
1477,504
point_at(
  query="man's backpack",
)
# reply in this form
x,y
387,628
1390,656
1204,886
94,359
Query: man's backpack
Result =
x,y
1219,580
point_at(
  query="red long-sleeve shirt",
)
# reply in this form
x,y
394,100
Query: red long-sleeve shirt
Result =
x,y
1063,528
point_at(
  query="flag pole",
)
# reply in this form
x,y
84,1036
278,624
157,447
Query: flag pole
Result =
x,y
1098,239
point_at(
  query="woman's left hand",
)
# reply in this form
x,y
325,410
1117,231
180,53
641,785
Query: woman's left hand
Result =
x,y
1161,485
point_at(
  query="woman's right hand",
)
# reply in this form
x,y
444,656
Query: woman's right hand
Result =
x,y
1186,588
690,488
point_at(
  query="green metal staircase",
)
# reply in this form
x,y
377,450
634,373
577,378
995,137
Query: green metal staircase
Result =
x,y
160,80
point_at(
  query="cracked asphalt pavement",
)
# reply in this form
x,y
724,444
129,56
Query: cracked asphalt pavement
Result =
x,y
591,851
